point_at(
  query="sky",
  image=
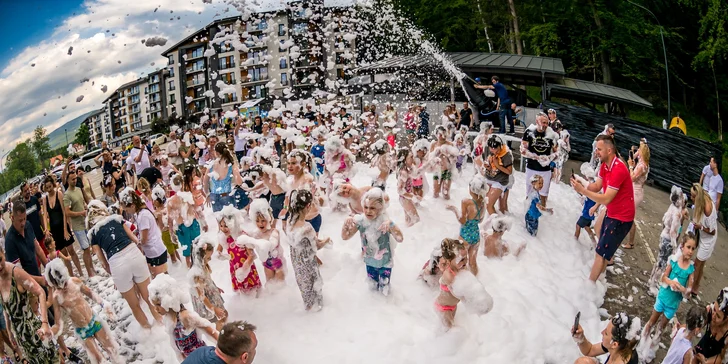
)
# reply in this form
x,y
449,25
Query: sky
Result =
x,y
42,82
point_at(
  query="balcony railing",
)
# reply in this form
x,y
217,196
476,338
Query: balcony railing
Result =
x,y
194,69
193,83
248,81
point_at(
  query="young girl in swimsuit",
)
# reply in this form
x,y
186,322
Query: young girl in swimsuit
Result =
x,y
67,298
431,272
241,258
446,303
408,198
274,266
169,301
420,150
206,296
472,214
445,153
383,162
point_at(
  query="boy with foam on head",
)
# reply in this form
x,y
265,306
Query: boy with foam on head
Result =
x,y
495,247
681,347
588,211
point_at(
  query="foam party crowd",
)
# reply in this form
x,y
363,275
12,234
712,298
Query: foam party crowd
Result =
x,y
315,237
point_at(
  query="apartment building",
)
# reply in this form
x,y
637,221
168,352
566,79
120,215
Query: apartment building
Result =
x,y
97,122
281,52
132,107
155,100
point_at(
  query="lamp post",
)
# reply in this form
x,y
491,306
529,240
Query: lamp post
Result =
x,y
664,52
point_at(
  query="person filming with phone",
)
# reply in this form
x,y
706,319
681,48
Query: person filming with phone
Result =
x,y
619,340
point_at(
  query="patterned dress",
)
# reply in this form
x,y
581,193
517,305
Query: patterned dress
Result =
x,y
25,324
238,256
303,259
212,293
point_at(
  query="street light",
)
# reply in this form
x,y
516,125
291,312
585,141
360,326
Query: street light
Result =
x,y
664,51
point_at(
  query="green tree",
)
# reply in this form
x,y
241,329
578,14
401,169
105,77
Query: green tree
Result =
x,y
40,145
83,135
21,164
160,126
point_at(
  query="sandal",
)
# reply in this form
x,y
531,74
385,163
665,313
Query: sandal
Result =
x,y
628,246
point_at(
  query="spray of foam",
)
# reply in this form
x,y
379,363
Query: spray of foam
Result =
x,y
166,290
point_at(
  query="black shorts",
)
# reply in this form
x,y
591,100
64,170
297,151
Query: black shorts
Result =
x,y
611,236
583,222
156,262
276,204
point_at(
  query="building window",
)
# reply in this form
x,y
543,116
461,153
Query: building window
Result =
x,y
197,53
284,79
171,71
171,60
226,62
228,98
280,46
171,86
172,98
284,63
300,28
228,78
281,30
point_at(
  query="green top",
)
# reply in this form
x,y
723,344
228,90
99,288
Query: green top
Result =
x,y
74,200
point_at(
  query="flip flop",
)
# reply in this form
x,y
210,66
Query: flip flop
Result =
x,y
627,246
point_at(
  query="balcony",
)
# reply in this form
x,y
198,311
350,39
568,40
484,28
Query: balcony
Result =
x,y
197,54
190,70
246,81
194,83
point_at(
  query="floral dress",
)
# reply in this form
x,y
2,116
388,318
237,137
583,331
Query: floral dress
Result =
x,y
303,259
25,324
238,256
209,290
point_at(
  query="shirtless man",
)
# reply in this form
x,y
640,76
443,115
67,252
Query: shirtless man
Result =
x,y
66,297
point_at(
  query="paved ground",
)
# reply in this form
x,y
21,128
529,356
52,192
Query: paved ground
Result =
x,y
628,281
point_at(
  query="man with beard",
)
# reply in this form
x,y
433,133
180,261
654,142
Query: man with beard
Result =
x,y
539,145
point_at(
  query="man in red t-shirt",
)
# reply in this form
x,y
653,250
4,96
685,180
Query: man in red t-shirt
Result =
x,y
615,184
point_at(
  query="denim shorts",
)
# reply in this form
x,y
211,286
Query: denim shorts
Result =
x,y
82,238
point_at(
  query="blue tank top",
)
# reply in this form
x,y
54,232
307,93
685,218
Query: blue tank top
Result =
x,y
225,185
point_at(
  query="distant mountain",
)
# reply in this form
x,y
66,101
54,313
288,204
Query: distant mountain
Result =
x,y
58,137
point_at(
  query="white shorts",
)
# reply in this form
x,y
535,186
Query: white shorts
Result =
x,y
494,184
546,175
128,267
705,248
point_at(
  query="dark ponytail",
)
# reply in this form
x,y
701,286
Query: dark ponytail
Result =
x,y
299,200
222,150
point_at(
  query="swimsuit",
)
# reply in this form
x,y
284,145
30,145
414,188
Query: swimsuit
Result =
x,y
91,329
445,288
186,343
470,231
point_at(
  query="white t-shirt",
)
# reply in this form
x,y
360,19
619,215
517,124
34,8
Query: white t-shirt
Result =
x,y
706,180
143,162
715,187
240,141
173,148
154,246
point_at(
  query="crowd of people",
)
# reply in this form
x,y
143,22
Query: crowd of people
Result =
x,y
267,182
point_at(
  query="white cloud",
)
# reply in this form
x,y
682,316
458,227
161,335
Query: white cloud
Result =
x,y
101,36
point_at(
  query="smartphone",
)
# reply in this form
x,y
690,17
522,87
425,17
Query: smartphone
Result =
x,y
576,323
631,154
572,173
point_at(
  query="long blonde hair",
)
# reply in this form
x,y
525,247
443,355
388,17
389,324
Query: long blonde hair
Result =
x,y
702,199
644,153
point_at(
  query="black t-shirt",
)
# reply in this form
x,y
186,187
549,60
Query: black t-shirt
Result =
x,y
111,236
310,115
151,174
32,209
22,249
465,116
538,144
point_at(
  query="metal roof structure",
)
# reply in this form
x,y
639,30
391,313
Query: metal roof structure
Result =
x,y
545,72
592,91
477,61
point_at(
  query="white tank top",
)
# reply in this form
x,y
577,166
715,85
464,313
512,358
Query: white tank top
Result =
x,y
680,345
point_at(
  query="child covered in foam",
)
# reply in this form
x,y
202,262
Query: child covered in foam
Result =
x,y
66,297
185,219
182,324
243,273
671,223
382,161
495,247
377,232
206,296
471,213
274,265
